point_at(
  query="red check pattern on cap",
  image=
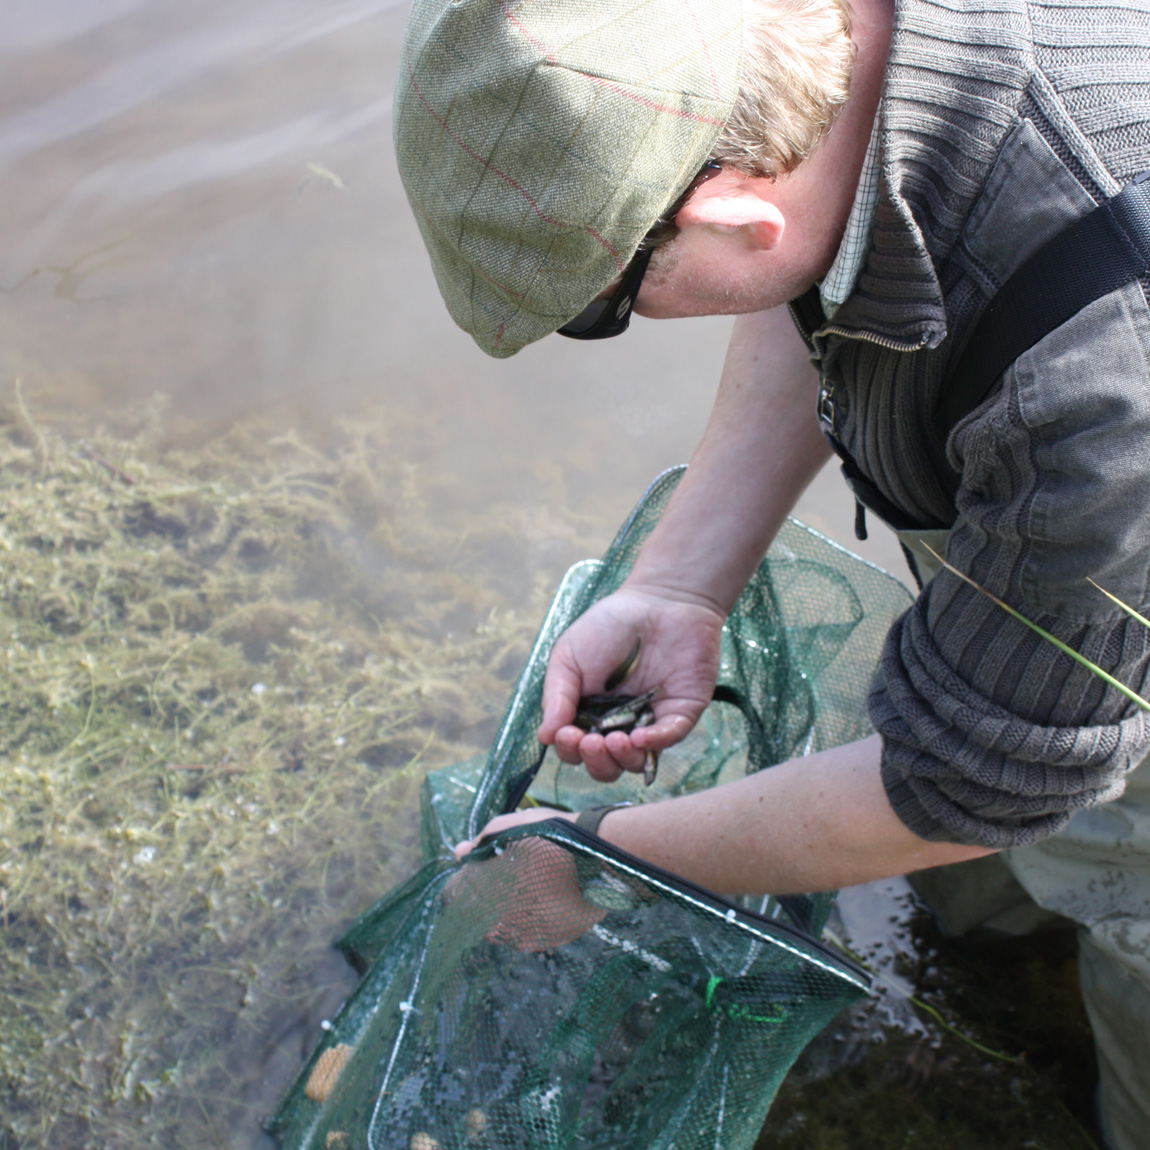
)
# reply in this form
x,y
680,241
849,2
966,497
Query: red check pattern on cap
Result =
x,y
538,141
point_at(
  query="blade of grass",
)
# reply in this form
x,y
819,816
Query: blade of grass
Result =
x,y
919,1003
1129,610
1133,696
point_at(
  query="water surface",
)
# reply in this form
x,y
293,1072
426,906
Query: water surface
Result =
x,y
201,205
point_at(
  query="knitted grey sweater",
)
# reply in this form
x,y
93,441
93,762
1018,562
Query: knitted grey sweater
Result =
x,y
1002,121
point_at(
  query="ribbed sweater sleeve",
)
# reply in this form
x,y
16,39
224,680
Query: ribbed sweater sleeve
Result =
x,y
1002,751
991,734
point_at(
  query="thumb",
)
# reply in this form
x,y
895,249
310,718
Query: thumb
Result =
x,y
561,690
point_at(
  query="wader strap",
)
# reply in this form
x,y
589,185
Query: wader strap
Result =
x,y
1095,255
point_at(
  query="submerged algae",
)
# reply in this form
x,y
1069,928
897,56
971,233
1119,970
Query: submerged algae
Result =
x,y
225,671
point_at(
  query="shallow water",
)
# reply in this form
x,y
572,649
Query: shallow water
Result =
x,y
200,202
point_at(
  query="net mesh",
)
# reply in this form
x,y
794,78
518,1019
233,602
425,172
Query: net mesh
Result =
x,y
554,992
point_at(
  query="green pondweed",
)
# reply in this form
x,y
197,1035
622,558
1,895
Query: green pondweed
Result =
x,y
224,671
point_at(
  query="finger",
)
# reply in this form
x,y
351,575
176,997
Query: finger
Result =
x,y
576,747
557,713
605,772
451,887
506,822
561,689
491,827
663,733
625,753
568,741
601,764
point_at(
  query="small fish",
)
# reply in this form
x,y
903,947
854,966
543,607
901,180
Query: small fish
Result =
x,y
623,672
650,767
602,714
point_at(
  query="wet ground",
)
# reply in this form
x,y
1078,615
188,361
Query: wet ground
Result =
x,y
201,206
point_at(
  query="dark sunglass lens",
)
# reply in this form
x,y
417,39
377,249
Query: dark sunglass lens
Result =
x,y
604,318
587,318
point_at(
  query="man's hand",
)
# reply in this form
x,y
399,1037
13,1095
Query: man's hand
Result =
x,y
762,446
530,892
506,822
679,657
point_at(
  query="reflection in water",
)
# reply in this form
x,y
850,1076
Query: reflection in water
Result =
x,y
200,201
171,57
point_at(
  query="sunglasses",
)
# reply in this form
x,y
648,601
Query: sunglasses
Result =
x,y
604,318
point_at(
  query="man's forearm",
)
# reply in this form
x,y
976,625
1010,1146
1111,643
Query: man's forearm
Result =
x,y
817,823
761,448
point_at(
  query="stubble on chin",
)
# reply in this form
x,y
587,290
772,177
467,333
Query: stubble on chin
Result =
x,y
662,266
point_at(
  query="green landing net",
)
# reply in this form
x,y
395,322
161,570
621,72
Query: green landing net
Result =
x,y
553,992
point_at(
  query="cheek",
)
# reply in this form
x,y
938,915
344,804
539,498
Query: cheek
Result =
x,y
659,295
692,293
691,277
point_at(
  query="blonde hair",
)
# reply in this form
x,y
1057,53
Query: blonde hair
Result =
x,y
797,57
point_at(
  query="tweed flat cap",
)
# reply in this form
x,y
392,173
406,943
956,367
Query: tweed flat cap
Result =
x,y
539,140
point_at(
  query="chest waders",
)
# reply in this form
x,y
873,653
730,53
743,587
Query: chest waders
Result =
x,y
1096,872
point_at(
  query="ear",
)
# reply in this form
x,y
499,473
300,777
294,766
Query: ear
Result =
x,y
732,200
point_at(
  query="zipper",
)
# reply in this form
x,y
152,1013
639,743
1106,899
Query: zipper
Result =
x,y
804,331
827,409
810,333
729,910
868,337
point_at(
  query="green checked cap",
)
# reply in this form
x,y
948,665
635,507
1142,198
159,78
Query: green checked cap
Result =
x,y
539,140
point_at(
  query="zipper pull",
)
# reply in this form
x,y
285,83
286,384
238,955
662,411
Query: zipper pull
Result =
x,y
826,408
860,519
